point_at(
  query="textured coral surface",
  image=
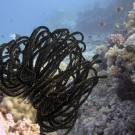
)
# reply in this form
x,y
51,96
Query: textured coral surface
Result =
x,y
22,127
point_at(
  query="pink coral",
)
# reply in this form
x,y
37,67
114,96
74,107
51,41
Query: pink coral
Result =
x,y
21,127
116,39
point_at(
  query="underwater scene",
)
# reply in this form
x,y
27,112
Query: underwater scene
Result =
x,y
67,67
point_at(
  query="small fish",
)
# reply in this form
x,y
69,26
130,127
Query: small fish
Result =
x,y
101,24
119,9
130,23
117,26
89,36
126,31
2,36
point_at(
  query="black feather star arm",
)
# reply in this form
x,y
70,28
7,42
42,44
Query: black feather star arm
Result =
x,y
30,68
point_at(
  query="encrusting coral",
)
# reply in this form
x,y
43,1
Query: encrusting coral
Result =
x,y
9,127
113,71
18,108
21,127
112,54
56,97
131,13
129,50
102,49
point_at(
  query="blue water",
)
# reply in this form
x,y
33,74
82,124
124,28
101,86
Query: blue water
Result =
x,y
22,16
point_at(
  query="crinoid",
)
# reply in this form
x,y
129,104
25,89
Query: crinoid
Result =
x,y
30,68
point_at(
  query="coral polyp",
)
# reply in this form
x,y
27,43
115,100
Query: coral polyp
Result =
x,y
30,68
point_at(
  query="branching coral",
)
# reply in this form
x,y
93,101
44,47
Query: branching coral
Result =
x,y
55,96
116,39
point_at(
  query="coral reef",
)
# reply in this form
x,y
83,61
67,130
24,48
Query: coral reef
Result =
x,y
104,114
114,71
121,65
132,31
121,61
18,108
128,51
116,39
101,50
56,97
109,110
9,127
131,13
112,54
130,41
126,89
21,127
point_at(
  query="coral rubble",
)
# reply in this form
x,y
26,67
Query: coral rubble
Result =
x,y
104,114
